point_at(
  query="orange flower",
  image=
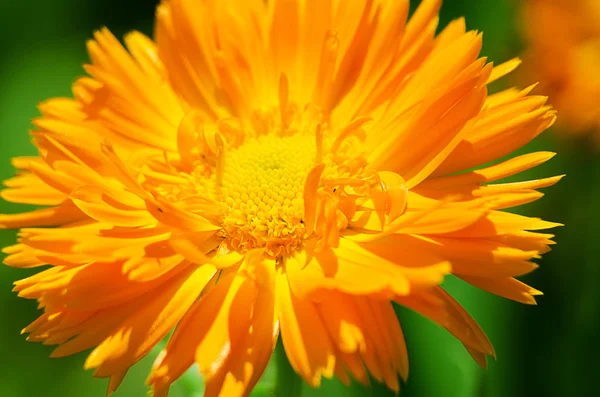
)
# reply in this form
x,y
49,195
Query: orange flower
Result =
x,y
563,51
284,168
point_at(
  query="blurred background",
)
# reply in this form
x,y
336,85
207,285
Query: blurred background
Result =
x,y
545,350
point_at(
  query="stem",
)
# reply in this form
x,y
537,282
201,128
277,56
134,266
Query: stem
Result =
x,y
287,383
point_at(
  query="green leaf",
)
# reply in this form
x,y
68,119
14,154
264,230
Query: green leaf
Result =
x,y
191,383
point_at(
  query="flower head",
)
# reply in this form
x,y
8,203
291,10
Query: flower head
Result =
x,y
562,40
275,168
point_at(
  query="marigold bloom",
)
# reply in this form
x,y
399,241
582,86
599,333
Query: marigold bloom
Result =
x,y
285,167
563,51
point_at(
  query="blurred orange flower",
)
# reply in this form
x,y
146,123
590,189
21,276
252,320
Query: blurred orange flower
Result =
x,y
259,169
562,40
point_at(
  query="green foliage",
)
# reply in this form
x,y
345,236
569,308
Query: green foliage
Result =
x,y
548,350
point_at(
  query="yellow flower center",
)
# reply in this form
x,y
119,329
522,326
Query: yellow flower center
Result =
x,y
262,192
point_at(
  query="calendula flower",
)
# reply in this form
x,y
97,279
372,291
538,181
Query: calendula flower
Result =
x,y
289,167
562,40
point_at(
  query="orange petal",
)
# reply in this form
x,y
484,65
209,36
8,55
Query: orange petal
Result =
x,y
311,186
244,368
22,256
96,204
342,321
218,341
504,69
304,336
440,307
134,338
56,216
501,170
179,354
506,287
396,193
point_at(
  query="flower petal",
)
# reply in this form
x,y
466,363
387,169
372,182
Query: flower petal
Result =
x,y
304,335
440,307
253,351
134,338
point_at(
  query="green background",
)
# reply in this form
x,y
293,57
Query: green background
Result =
x,y
545,350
